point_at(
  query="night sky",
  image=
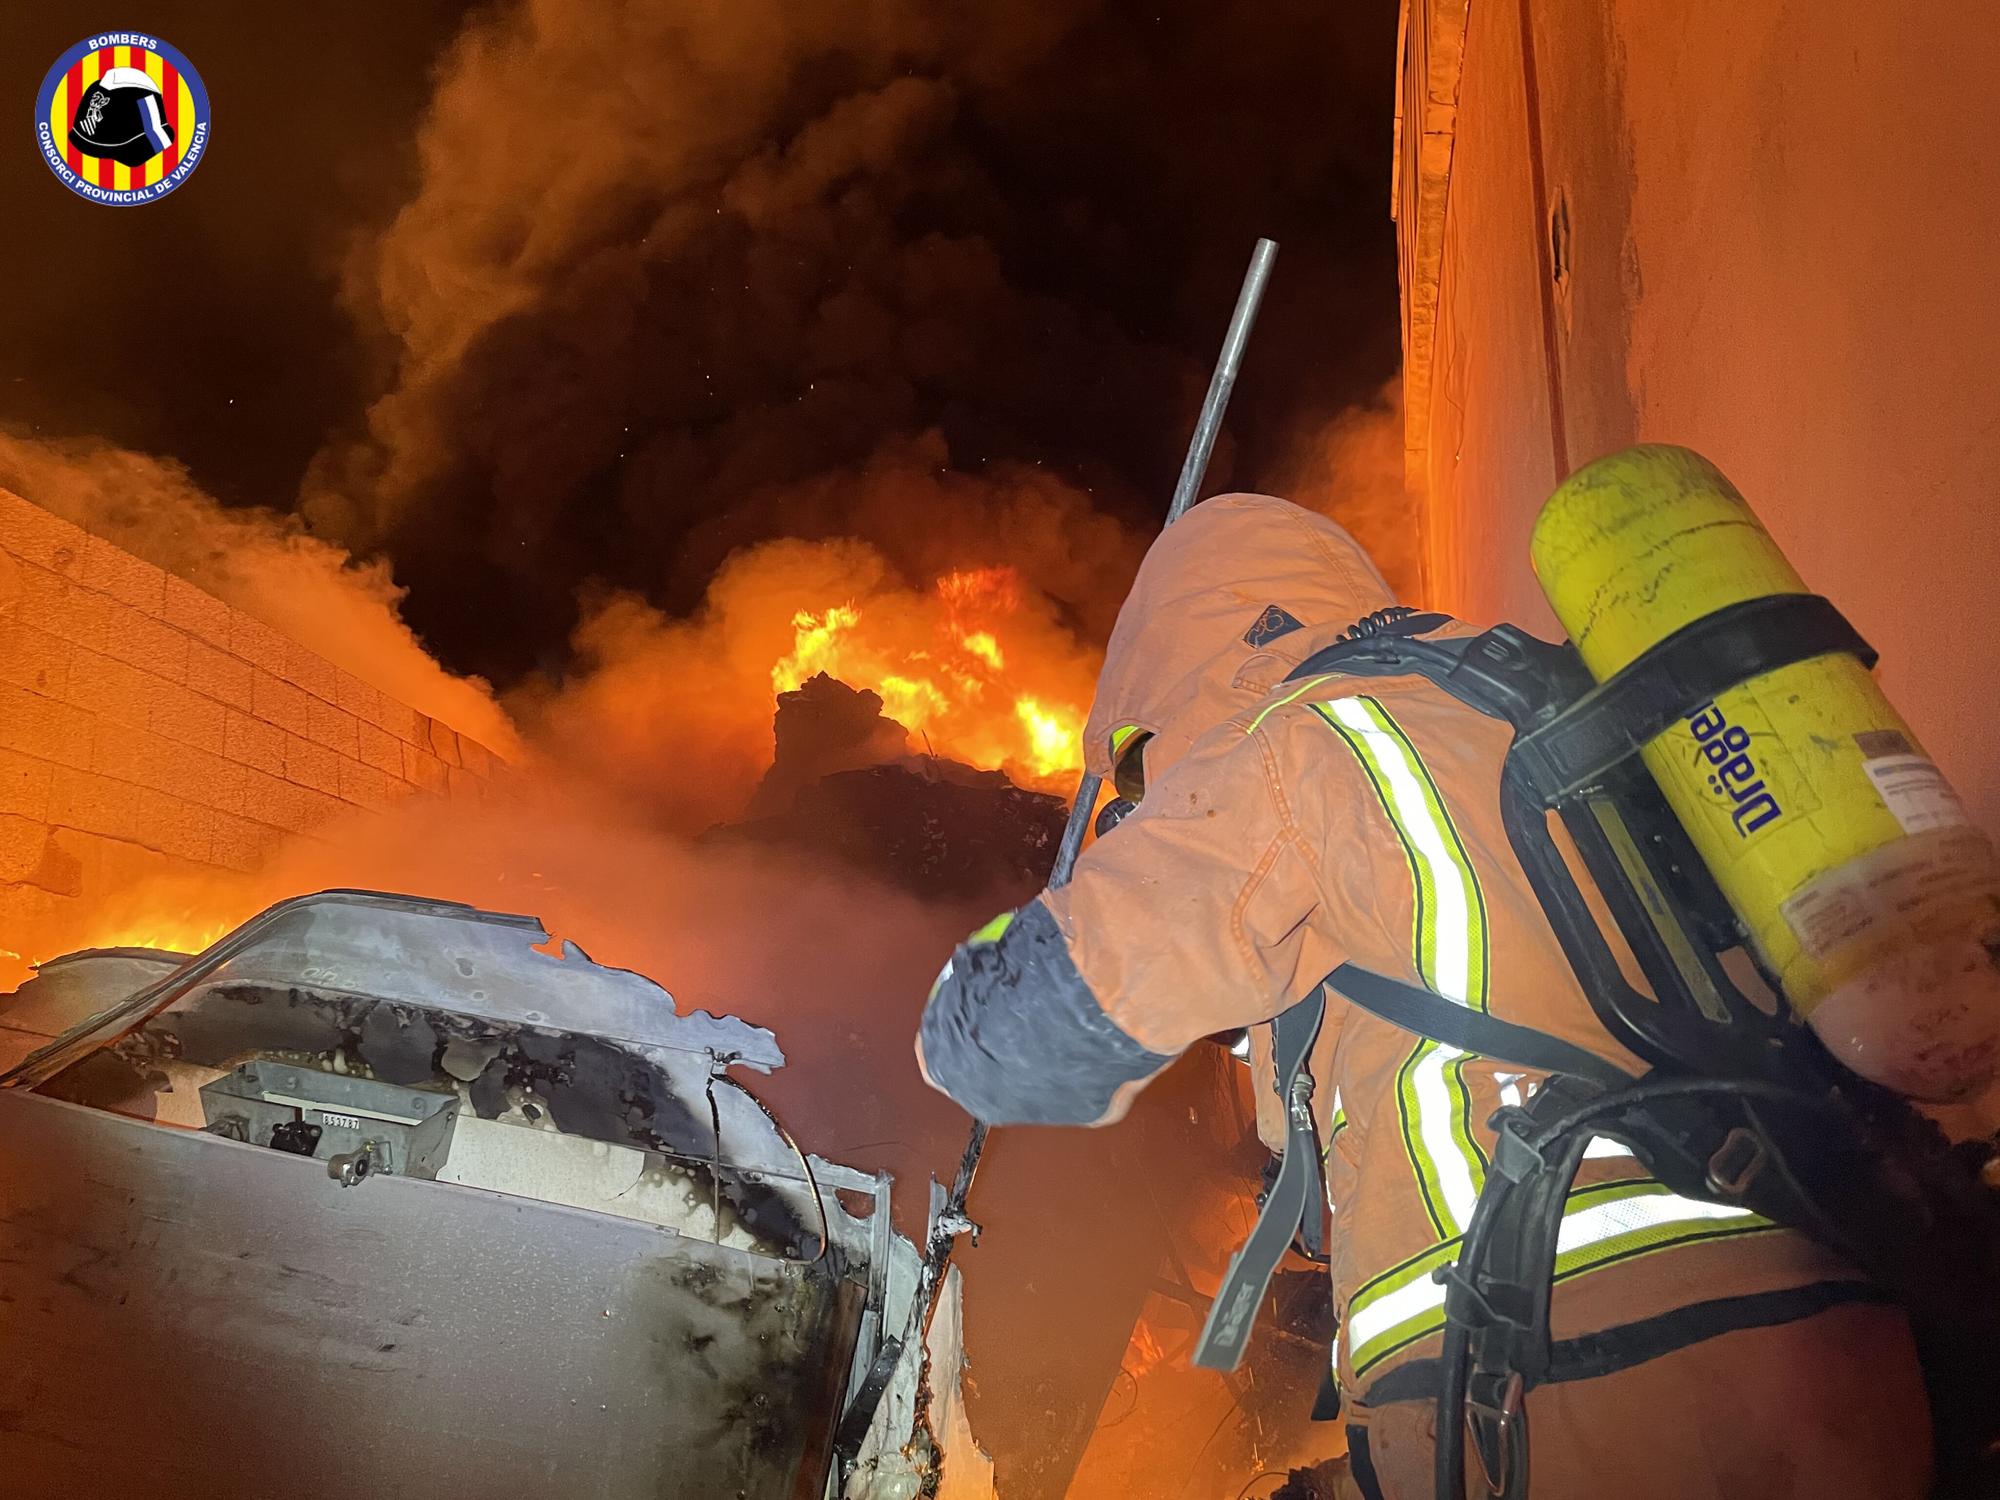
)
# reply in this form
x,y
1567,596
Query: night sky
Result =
x,y
647,282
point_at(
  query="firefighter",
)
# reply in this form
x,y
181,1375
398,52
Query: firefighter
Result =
x,y
1285,827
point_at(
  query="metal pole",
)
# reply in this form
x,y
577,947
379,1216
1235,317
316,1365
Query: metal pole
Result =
x,y
1224,380
1073,831
952,1220
1193,470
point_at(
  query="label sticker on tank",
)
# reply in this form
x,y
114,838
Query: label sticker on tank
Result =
x,y
1828,915
1888,892
1915,792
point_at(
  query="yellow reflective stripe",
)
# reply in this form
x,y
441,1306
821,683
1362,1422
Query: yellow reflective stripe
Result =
x,y
1120,735
1337,1124
992,931
1449,949
1437,1197
1292,697
1460,1094
1477,946
1396,1309
1450,936
1602,1224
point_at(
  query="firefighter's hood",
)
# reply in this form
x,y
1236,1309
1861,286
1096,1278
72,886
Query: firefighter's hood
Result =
x,y
1230,598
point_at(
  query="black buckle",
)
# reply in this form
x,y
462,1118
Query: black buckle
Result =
x,y
1499,1413
1513,1158
1463,1297
1737,1163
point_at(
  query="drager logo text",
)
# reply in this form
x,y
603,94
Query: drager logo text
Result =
x,y
1732,773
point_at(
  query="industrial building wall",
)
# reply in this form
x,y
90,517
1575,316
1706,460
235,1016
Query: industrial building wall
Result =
x,y
148,729
1766,232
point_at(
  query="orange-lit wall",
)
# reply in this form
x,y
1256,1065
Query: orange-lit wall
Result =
x,y
1782,230
147,729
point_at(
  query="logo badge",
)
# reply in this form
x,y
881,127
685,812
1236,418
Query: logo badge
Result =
x,y
122,118
1275,621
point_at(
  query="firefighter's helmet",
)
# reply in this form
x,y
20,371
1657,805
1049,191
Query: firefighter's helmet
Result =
x,y
119,119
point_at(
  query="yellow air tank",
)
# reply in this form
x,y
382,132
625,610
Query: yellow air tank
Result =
x,y
1846,854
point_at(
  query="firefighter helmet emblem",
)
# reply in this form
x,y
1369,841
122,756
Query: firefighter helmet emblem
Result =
x,y
1275,621
122,118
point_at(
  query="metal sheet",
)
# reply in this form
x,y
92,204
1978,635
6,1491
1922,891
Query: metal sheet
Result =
x,y
188,1316
68,991
312,977
441,955
478,963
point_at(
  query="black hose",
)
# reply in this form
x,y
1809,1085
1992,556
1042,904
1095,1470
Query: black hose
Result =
x,y
1374,624
1678,1088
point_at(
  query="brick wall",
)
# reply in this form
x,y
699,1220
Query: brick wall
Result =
x,y
149,729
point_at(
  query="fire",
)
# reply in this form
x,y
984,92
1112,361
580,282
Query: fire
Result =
x,y
1055,736
183,934
198,921
190,934
817,644
944,675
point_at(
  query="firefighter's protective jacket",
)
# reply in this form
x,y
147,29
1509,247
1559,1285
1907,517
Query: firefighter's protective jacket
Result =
x,y
1285,828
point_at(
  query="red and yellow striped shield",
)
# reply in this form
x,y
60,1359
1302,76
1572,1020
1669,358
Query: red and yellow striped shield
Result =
x,y
122,118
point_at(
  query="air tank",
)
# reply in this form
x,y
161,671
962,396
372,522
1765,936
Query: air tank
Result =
x,y
1846,854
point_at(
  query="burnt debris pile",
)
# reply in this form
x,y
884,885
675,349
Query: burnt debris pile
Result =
x,y
844,786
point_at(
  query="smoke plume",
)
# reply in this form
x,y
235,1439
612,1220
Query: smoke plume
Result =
x,y
674,712
262,561
678,280
1351,469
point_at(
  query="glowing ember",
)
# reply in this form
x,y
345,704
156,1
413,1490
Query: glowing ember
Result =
x,y
944,675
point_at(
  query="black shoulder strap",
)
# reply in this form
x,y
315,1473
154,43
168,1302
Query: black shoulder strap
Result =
x,y
1290,1201
1428,1014
1292,1198
1504,673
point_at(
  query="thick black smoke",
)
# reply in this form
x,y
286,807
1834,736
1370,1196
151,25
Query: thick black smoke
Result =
x,y
678,278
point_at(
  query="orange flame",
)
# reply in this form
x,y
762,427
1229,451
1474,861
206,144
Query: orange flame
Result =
x,y
194,919
944,674
189,933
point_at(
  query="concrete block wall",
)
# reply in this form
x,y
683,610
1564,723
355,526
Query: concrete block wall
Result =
x,y
148,729
1760,231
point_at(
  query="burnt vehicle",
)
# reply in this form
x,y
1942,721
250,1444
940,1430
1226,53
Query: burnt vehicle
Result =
x,y
378,1197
